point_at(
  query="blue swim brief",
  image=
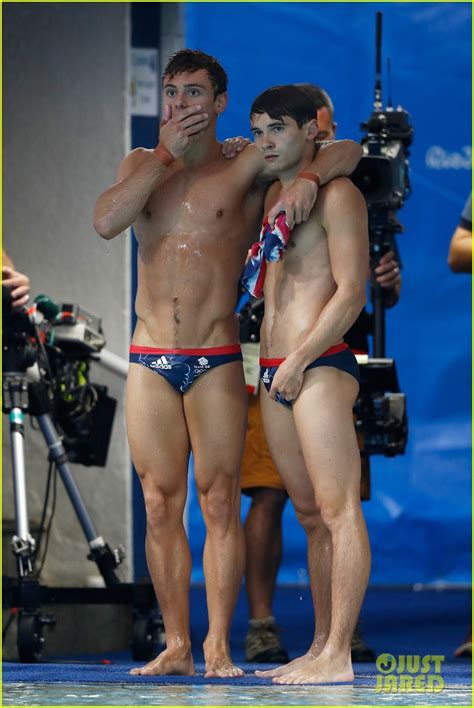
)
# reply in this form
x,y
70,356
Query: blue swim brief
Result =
x,y
181,367
340,357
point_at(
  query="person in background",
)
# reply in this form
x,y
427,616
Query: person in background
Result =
x,y
460,247
460,261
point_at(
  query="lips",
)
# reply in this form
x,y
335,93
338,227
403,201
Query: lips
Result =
x,y
271,157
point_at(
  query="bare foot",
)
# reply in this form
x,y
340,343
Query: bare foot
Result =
x,y
170,662
286,668
223,667
324,669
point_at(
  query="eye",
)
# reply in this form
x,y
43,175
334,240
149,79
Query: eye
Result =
x,y
194,92
277,128
170,93
256,133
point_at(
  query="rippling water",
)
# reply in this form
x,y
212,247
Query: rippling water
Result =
x,y
20,694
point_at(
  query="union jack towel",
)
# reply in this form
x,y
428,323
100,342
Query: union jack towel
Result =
x,y
271,246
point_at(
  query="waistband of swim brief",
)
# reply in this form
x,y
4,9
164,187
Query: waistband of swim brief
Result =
x,y
332,350
206,351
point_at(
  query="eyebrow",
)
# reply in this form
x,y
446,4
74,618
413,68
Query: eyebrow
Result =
x,y
271,125
185,85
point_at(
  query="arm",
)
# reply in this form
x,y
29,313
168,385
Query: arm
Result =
x,y
335,159
345,222
139,172
460,251
389,277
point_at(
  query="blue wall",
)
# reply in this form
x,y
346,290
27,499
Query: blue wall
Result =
x,y
419,517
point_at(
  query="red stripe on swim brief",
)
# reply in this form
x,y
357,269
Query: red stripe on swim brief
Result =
x,y
332,350
359,351
206,351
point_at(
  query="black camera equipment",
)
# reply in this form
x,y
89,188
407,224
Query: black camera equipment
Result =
x,y
383,177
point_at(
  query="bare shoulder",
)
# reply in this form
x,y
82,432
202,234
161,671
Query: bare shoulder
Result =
x,y
131,161
249,162
341,191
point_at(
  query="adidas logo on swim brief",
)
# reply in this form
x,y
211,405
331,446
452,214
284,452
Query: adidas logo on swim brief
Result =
x,y
266,377
161,363
203,361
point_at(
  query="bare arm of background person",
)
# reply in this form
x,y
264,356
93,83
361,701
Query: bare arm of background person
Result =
x,y
460,251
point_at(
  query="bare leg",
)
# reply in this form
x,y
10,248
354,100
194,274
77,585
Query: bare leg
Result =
x,y
216,415
264,546
286,451
159,446
323,417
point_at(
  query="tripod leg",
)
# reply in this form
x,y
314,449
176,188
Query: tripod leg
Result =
x,y
23,543
106,559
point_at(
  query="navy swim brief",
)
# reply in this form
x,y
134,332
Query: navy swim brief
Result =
x,y
340,357
181,367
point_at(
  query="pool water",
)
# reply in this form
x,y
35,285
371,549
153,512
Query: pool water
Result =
x,y
22,694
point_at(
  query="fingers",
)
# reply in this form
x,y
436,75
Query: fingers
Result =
x,y
18,303
277,209
231,146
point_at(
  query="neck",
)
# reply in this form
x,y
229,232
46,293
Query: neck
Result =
x,y
204,149
287,177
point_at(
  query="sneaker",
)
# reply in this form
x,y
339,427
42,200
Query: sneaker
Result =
x,y
262,643
465,649
360,652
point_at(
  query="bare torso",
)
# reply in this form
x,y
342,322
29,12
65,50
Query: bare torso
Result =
x,y
193,235
297,287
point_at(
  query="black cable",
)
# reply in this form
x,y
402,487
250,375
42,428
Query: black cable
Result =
x,y
43,513
48,530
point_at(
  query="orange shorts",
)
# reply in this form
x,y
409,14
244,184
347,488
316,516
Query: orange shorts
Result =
x,y
258,469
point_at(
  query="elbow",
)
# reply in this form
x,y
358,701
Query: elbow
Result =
x,y
103,227
355,152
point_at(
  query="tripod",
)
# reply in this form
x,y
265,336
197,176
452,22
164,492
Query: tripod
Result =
x,y
21,396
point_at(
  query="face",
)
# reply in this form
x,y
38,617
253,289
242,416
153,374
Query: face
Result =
x,y
192,89
326,125
281,141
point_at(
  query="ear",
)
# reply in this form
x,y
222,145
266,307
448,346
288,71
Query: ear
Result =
x,y
221,102
311,129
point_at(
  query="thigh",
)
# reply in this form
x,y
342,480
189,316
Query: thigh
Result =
x,y
216,415
324,420
285,449
157,433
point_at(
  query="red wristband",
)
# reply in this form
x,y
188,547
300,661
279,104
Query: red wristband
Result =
x,y
164,155
310,177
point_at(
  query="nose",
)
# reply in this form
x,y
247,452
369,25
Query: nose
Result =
x,y
180,101
267,142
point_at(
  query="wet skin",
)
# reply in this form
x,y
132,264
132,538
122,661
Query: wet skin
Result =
x,y
312,296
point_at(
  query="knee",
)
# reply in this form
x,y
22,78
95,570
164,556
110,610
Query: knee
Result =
x,y
162,509
269,502
220,505
309,517
338,511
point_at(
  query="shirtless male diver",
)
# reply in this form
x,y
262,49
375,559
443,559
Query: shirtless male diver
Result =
x,y
194,214
313,294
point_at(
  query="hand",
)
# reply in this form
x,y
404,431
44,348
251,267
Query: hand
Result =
x,y
231,146
387,272
179,131
296,201
288,380
19,285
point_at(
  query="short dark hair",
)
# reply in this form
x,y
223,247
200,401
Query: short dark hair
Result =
x,y
288,100
193,60
319,97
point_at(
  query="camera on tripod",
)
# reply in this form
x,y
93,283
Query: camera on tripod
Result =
x,y
62,340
